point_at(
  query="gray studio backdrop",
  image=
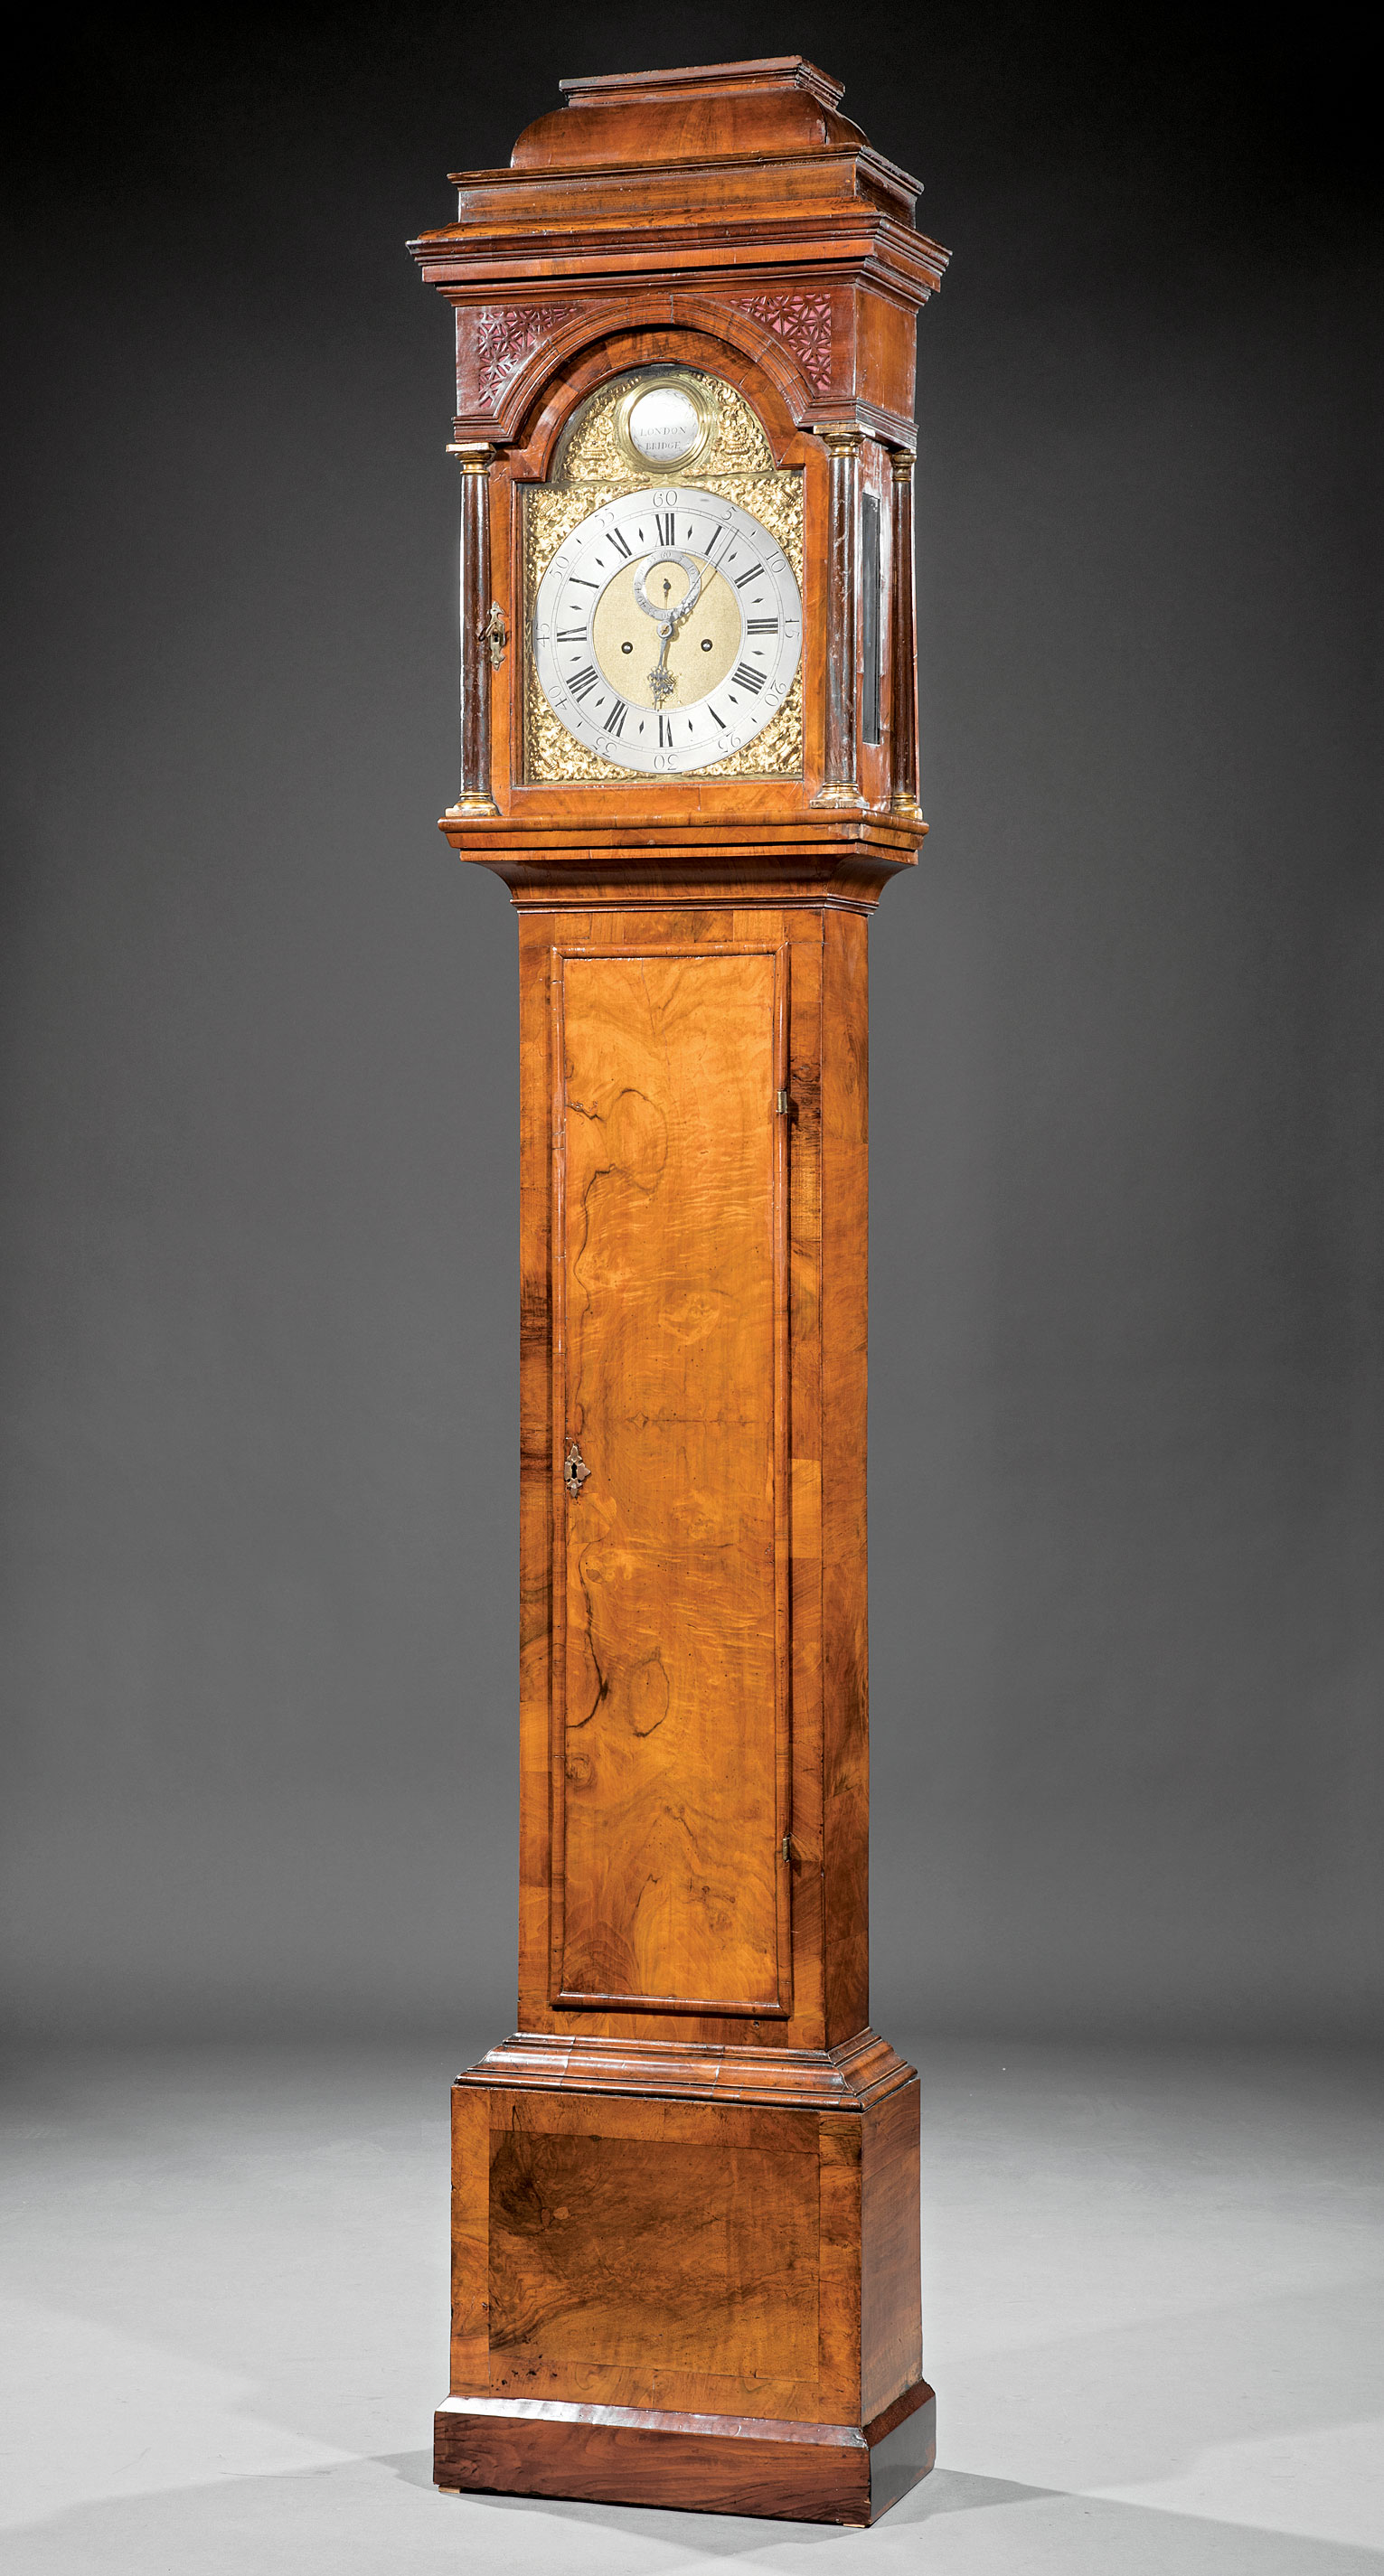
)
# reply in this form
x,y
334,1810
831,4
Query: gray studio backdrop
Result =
x,y
259,1050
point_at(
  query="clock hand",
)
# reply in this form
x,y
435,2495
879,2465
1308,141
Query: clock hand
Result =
x,y
666,619
661,679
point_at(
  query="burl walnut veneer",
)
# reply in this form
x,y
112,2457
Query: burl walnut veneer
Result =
x,y
685,2193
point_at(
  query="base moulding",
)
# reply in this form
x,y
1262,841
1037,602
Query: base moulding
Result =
x,y
689,2463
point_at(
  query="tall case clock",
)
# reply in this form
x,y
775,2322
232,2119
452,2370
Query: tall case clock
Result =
x,y
685,2245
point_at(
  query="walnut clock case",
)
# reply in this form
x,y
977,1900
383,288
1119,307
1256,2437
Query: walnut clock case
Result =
x,y
685,2193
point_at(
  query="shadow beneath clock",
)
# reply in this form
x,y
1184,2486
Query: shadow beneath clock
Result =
x,y
414,2467
1053,2530
734,2535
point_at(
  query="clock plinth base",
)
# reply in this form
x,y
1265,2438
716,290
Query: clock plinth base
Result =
x,y
687,2275
689,2463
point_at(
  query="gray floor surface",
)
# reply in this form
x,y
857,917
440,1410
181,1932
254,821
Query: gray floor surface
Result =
x,y
1153,2309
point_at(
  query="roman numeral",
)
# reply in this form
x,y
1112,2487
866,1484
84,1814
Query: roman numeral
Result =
x,y
742,577
615,721
617,540
584,682
761,626
579,584
663,521
748,679
717,720
665,734
571,634
717,532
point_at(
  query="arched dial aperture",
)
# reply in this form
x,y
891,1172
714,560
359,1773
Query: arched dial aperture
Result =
x,y
667,630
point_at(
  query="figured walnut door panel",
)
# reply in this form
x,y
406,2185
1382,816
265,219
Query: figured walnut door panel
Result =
x,y
670,1331
609,2253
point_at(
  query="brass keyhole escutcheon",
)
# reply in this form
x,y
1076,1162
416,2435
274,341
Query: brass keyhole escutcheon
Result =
x,y
495,634
574,1472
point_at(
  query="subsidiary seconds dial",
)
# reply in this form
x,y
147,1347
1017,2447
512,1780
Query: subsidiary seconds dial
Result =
x,y
667,630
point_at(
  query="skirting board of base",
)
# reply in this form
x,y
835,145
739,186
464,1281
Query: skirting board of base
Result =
x,y
690,2463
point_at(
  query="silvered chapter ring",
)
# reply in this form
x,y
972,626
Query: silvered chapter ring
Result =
x,y
666,618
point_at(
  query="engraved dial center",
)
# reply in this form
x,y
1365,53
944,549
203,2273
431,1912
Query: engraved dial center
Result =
x,y
629,639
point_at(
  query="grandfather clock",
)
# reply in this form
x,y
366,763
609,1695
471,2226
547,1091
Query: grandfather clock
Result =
x,y
685,2193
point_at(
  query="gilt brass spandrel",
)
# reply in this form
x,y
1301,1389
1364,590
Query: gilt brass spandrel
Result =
x,y
777,752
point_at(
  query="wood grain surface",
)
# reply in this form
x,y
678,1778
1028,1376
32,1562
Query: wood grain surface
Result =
x,y
844,1259
865,2070
670,1300
715,2463
470,2240
693,1315
656,2252
891,2338
701,2257
610,2456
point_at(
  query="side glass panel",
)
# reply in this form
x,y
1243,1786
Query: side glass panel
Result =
x,y
870,626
